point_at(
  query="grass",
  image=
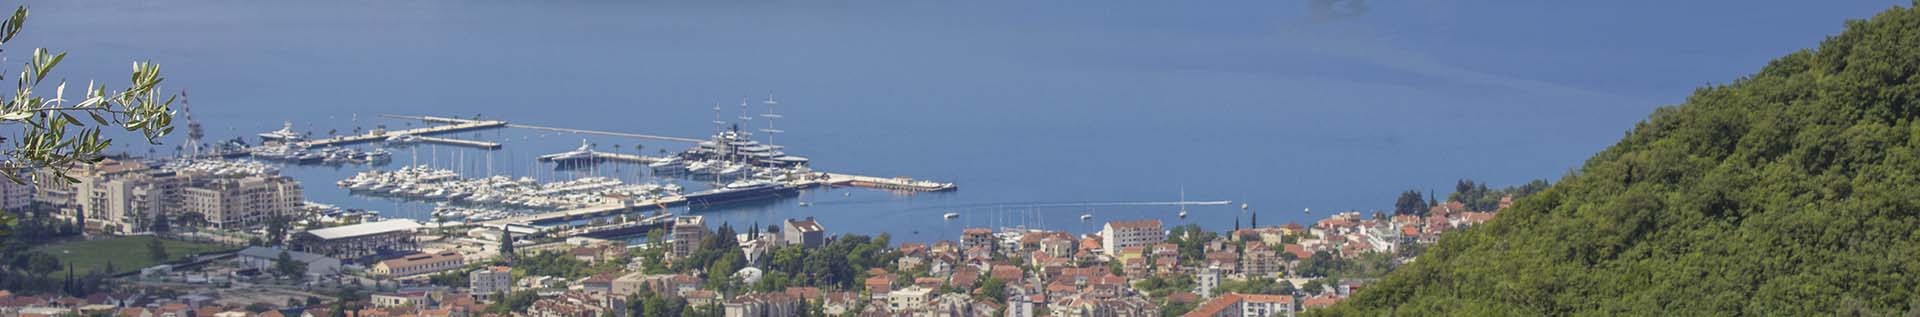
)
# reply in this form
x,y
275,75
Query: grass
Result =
x,y
126,253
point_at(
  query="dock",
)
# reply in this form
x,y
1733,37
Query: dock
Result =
x,y
607,133
467,143
451,125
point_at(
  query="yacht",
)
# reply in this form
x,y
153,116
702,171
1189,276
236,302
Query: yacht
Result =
x,y
733,144
951,215
671,162
739,190
585,152
284,135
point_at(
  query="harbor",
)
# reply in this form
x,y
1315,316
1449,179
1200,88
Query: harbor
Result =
x,y
731,166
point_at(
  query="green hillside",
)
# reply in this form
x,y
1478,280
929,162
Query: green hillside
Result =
x,y
1793,192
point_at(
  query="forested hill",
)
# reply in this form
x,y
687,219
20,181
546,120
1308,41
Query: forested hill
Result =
x,y
1793,192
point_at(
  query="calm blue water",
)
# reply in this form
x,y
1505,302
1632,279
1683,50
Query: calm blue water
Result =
x,y
1019,102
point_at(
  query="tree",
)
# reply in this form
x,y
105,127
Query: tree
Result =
x,y
286,266
277,230
995,289
156,251
52,135
1410,203
506,244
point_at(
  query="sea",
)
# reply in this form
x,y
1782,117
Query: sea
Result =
x,y
1041,112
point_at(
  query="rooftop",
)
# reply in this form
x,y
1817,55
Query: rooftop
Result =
x,y
1135,224
365,229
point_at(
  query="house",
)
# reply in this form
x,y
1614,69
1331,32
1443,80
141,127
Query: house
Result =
x,y
805,233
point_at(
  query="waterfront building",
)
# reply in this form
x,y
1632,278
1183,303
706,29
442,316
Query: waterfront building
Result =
x,y
806,233
1119,235
359,240
246,202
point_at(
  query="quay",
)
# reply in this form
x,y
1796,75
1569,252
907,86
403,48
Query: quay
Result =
x,y
452,125
607,133
468,143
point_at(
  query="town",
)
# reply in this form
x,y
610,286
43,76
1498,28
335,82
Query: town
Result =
x,y
208,237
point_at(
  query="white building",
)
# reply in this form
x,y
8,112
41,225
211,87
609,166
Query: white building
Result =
x,y
1118,235
911,298
486,282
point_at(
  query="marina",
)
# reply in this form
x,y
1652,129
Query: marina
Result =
x,y
732,166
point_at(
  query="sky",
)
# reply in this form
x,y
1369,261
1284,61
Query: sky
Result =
x,y
1267,101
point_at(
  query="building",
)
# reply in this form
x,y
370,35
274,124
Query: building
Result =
x,y
265,259
777,304
806,233
16,196
359,240
687,232
130,202
56,194
422,263
486,282
404,298
1206,280
1261,261
245,202
116,196
909,299
977,237
1245,305
1117,235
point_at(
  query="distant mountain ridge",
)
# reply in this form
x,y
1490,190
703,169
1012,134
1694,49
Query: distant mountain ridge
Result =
x,y
1794,191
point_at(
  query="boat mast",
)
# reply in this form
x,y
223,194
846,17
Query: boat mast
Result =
x,y
771,115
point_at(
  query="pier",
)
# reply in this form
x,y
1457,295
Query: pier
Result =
x,y
451,125
467,143
606,133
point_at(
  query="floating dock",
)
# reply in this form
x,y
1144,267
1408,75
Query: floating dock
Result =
x,y
451,125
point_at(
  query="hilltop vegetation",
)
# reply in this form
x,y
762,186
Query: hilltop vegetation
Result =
x,y
1794,191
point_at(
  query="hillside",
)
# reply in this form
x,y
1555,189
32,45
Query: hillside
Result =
x,y
1794,191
